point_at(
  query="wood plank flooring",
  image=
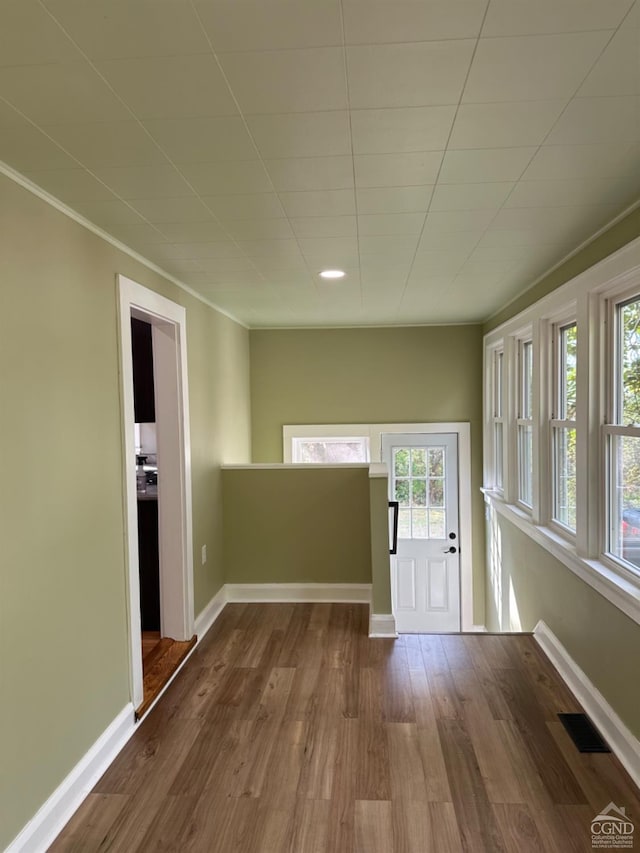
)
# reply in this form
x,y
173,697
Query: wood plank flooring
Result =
x,y
289,731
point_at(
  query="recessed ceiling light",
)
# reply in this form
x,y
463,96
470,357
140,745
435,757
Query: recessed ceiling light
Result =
x,y
332,274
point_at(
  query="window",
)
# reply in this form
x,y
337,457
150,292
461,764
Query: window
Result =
x,y
563,425
525,422
622,432
497,417
330,450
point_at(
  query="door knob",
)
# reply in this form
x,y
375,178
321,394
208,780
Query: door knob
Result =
x,y
451,550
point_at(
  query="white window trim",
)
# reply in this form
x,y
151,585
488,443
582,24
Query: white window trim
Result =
x,y
587,291
524,336
375,433
491,419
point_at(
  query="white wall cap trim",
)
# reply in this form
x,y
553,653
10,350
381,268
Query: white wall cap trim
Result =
x,y
50,819
623,593
378,470
277,466
622,741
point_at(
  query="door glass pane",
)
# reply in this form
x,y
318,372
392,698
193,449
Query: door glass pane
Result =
x,y
419,492
436,492
436,461
625,504
436,524
401,462
402,492
404,524
418,465
419,527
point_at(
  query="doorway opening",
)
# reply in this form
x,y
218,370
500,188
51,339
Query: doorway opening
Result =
x,y
157,489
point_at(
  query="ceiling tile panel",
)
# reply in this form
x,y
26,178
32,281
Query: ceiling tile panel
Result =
x,y
617,71
227,178
171,86
397,170
311,173
201,140
401,244
379,21
321,134
394,199
561,193
122,28
390,224
26,148
401,129
507,125
319,203
184,209
509,18
276,25
60,92
259,229
407,75
324,226
597,120
287,81
245,206
194,232
144,181
30,36
118,143
110,212
458,220
532,68
607,160
484,164
470,196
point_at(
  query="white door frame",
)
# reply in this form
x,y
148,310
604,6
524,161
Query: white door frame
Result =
x,y
168,321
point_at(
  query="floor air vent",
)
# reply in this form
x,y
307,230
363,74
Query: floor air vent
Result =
x,y
583,733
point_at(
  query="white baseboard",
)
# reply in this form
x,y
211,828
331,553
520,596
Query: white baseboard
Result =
x,y
336,593
623,743
206,618
382,625
50,819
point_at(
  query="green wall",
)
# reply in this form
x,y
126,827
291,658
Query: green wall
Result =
x,y
613,239
386,375
297,525
64,670
526,584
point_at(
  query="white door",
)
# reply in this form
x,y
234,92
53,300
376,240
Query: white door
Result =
x,y
425,572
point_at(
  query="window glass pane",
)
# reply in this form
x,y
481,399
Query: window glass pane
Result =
x,y
402,492
419,492
628,374
401,462
625,503
498,453
330,451
418,465
526,383
565,476
568,363
419,527
525,456
497,385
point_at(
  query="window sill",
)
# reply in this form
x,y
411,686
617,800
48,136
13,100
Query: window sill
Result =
x,y
622,591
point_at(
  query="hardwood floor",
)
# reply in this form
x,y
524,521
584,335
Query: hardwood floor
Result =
x,y
289,731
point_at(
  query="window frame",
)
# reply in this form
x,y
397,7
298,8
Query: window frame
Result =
x,y
298,440
497,409
524,399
